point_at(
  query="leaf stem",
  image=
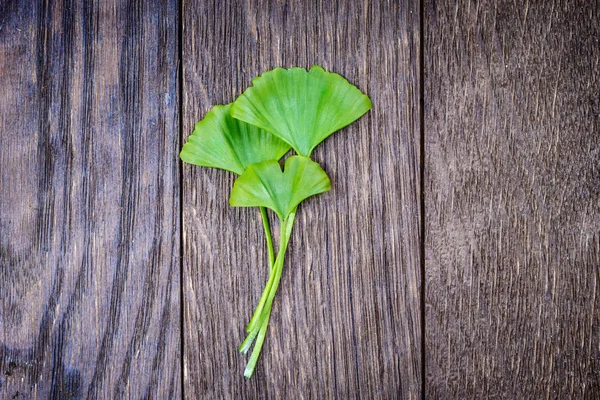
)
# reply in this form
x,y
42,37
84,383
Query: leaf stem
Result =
x,y
268,236
249,371
286,230
260,320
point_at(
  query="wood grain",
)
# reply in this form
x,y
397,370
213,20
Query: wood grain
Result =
x,y
89,200
346,320
512,193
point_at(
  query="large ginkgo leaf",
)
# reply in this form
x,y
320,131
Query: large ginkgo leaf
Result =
x,y
265,185
220,141
302,108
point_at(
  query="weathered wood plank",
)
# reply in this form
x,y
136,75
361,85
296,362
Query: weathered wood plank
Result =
x,y
89,210
346,320
512,193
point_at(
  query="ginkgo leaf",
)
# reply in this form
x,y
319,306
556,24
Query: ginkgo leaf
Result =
x,y
302,108
220,141
265,185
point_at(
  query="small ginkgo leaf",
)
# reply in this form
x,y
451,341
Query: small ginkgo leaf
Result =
x,y
302,108
220,141
265,185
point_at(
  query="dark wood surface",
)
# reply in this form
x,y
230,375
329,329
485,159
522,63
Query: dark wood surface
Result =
x,y
346,319
89,200
512,189
97,276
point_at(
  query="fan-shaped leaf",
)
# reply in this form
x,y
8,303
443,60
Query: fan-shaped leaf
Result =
x,y
302,108
220,141
265,185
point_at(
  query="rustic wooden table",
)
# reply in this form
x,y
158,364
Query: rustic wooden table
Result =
x,y
457,256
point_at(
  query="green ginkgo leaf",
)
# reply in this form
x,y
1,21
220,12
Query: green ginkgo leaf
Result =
x,y
302,108
220,141
265,185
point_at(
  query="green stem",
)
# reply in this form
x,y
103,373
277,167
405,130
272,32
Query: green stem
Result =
x,y
248,341
268,236
286,230
261,303
249,371
260,320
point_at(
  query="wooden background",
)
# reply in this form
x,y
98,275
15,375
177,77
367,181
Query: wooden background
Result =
x,y
512,200
456,257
